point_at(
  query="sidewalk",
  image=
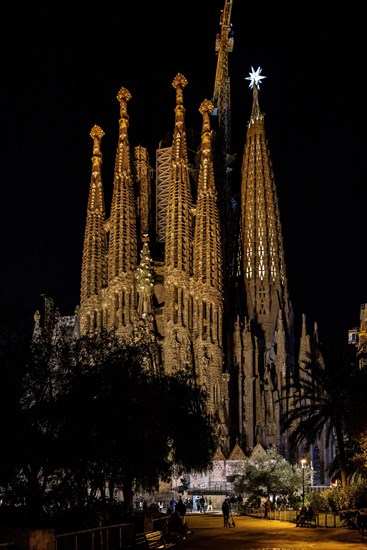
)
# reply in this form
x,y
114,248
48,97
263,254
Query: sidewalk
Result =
x,y
250,533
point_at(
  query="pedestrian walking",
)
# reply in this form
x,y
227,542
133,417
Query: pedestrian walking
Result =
x,y
225,511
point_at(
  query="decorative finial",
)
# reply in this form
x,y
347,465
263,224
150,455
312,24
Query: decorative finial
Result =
x,y
255,78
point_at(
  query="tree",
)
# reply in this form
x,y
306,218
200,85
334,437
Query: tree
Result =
x,y
268,474
143,421
95,415
33,456
14,349
325,399
360,457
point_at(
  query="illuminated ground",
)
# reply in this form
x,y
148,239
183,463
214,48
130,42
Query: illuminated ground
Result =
x,y
249,533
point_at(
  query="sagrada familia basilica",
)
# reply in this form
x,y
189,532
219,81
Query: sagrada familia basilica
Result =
x,y
191,253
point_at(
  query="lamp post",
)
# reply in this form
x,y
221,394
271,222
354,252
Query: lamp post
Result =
x,y
303,463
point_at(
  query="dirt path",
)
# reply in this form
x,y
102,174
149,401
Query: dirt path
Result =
x,y
208,533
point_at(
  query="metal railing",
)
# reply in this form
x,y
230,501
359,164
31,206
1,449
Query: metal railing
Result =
x,y
111,537
323,519
212,489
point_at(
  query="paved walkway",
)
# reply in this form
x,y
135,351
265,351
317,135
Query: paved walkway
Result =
x,y
249,533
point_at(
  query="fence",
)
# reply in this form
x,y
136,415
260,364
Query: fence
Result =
x,y
111,537
324,519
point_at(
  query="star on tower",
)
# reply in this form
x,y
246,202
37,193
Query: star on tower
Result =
x,y
255,77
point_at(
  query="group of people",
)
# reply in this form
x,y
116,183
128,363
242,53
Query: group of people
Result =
x,y
173,503
203,505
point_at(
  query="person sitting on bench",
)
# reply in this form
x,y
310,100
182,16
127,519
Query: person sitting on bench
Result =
x,y
310,514
301,518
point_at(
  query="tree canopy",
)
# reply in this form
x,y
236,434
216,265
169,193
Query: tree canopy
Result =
x,y
95,416
268,474
330,396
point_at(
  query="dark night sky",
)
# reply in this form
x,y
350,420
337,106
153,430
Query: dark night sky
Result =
x,y
62,67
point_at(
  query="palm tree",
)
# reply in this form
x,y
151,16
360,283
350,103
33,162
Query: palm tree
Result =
x,y
324,399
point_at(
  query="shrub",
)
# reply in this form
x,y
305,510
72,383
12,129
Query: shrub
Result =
x,y
336,499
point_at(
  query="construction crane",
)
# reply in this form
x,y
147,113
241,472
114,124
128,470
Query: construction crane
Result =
x,y
221,97
229,210
222,112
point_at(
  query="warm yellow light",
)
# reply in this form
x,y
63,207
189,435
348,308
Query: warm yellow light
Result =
x,y
303,462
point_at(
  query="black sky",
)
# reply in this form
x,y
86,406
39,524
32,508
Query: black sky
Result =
x,y
61,71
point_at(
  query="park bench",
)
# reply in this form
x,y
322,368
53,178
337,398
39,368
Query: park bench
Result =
x,y
307,520
153,540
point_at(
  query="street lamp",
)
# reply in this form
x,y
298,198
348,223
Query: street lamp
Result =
x,y
303,464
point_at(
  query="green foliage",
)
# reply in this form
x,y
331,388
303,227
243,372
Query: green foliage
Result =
x,y
268,474
325,399
95,416
337,499
353,460
14,350
360,457
319,501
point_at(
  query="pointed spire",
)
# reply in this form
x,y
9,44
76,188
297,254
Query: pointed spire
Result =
x,y
205,109
143,175
262,240
96,197
178,224
207,238
144,280
207,269
122,256
178,244
123,97
266,293
94,275
122,245
256,114
255,79
179,140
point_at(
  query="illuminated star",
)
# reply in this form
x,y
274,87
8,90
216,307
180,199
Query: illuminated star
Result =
x,y
255,77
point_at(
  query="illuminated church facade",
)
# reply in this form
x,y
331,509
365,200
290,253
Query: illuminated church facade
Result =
x,y
177,259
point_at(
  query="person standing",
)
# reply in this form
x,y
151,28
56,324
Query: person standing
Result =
x,y
225,511
202,504
172,504
181,508
189,504
210,504
176,525
267,508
